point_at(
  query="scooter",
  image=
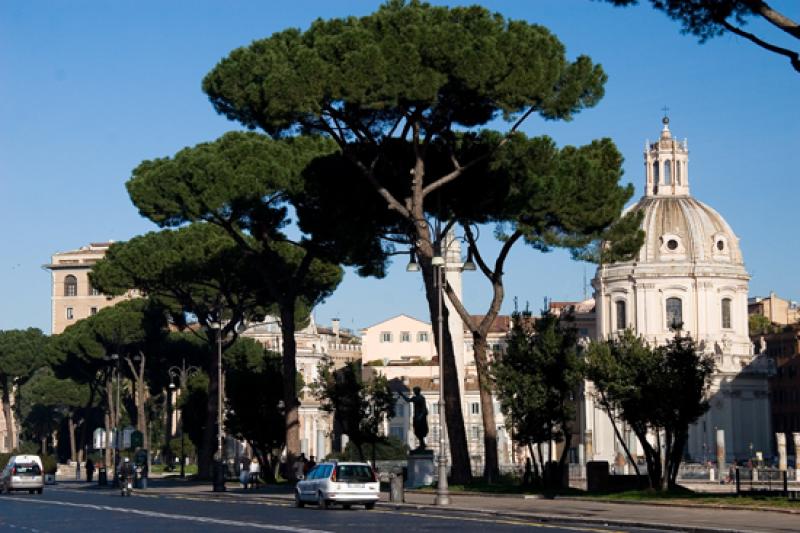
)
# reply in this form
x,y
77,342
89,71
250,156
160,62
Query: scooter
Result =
x,y
126,486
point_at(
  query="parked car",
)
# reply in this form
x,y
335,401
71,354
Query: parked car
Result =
x,y
343,483
23,472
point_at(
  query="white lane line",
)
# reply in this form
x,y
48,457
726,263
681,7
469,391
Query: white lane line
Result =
x,y
155,514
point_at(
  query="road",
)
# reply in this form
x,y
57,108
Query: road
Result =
x,y
65,509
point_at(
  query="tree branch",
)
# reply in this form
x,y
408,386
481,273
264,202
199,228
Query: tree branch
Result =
x,y
794,58
777,19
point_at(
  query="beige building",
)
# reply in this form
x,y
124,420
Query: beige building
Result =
x,y
403,349
315,344
72,296
776,309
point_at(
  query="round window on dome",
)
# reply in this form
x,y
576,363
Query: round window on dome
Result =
x,y
720,245
672,244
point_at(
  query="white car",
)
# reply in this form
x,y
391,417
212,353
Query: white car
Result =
x,y
338,482
23,472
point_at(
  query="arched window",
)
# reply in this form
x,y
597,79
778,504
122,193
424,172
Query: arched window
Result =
x,y
726,313
621,319
674,313
655,172
667,173
70,285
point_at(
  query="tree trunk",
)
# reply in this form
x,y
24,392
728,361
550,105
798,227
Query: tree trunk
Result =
x,y
107,451
208,446
71,428
460,470
10,430
290,401
491,470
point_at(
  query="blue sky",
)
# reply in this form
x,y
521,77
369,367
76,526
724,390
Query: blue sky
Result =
x,y
88,89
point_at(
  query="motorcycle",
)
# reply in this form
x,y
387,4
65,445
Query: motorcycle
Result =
x,y
126,486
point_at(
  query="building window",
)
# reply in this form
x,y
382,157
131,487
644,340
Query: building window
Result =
x,y
435,433
476,432
70,313
655,172
93,291
678,166
70,285
396,432
93,311
422,336
386,336
674,313
621,319
667,173
726,313
405,336
434,408
475,408
398,409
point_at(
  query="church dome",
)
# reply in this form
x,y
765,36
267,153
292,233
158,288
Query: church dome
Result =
x,y
678,228
683,229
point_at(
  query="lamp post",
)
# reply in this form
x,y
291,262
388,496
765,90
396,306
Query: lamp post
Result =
x,y
442,489
182,373
219,474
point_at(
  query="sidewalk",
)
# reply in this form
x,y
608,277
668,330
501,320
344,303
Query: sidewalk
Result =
x,y
561,510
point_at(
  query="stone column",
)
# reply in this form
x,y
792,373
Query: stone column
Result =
x,y
780,438
796,439
720,451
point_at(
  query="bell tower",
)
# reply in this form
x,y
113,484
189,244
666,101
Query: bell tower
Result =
x,y
666,165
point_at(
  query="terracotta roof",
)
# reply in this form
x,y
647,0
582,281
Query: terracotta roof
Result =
x,y
501,324
427,384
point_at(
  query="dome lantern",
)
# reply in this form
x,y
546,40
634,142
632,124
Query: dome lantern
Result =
x,y
666,165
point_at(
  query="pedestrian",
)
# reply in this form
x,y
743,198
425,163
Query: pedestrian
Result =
x,y
255,471
311,463
89,469
299,466
244,474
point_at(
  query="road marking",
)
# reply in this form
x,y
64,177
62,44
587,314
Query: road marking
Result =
x,y
507,521
155,514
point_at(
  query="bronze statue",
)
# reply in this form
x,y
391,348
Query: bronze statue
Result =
x,y
420,419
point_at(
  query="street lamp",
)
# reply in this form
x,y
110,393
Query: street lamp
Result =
x,y
182,373
442,490
219,475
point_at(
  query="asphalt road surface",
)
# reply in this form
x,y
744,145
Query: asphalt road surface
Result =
x,y
62,509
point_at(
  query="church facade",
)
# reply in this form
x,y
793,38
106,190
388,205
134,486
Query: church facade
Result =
x,y
689,274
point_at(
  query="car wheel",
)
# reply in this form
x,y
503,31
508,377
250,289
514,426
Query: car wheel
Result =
x,y
369,506
32,491
346,506
322,503
297,501
39,491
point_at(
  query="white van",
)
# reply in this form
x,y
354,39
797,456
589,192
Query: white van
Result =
x,y
23,472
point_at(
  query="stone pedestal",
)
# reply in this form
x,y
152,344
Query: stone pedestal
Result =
x,y
420,469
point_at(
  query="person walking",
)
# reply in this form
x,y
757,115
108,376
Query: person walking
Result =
x,y
255,471
244,474
89,470
299,466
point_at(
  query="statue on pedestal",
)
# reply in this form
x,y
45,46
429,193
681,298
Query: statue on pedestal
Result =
x,y
420,420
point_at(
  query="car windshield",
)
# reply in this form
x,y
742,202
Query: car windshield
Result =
x,y
355,473
31,469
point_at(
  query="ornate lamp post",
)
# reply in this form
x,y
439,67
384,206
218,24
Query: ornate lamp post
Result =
x,y
182,374
219,474
439,265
